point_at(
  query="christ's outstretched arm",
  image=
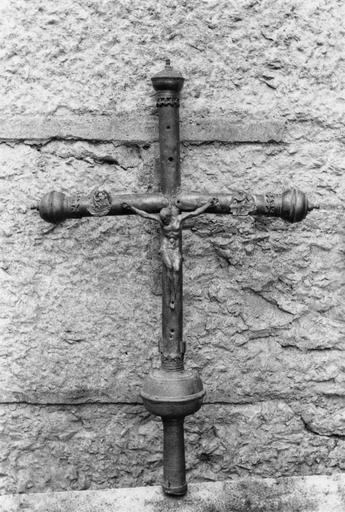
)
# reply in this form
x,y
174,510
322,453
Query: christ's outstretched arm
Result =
x,y
212,201
142,213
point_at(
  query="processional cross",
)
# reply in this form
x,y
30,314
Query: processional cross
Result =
x,y
172,392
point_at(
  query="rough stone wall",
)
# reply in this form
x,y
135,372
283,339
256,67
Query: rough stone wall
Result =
x,y
80,302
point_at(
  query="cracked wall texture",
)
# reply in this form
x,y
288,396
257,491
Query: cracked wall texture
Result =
x,y
264,301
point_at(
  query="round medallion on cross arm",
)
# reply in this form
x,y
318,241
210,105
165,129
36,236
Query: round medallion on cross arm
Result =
x,y
99,203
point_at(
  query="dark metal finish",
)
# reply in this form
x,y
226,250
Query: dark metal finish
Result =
x,y
168,87
99,203
56,206
292,205
172,392
168,84
174,473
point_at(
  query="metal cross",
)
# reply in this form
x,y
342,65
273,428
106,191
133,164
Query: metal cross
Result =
x,y
171,391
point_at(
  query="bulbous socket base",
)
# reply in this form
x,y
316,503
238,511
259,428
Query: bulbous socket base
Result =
x,y
172,394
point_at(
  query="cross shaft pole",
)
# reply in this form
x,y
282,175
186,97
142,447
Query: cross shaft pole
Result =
x,y
172,392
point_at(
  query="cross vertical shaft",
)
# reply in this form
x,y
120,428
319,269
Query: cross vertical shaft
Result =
x,y
168,85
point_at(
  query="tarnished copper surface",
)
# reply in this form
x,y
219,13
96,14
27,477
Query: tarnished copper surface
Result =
x,y
292,205
172,392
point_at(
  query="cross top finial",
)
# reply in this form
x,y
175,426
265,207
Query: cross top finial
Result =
x,y
169,79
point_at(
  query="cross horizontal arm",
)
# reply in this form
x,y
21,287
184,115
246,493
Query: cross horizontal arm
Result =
x,y
292,205
56,206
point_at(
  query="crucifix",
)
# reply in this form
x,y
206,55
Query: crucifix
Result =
x,y
172,392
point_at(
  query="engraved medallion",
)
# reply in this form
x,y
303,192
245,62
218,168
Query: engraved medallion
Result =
x,y
99,203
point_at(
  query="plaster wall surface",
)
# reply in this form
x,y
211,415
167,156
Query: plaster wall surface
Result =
x,y
80,302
